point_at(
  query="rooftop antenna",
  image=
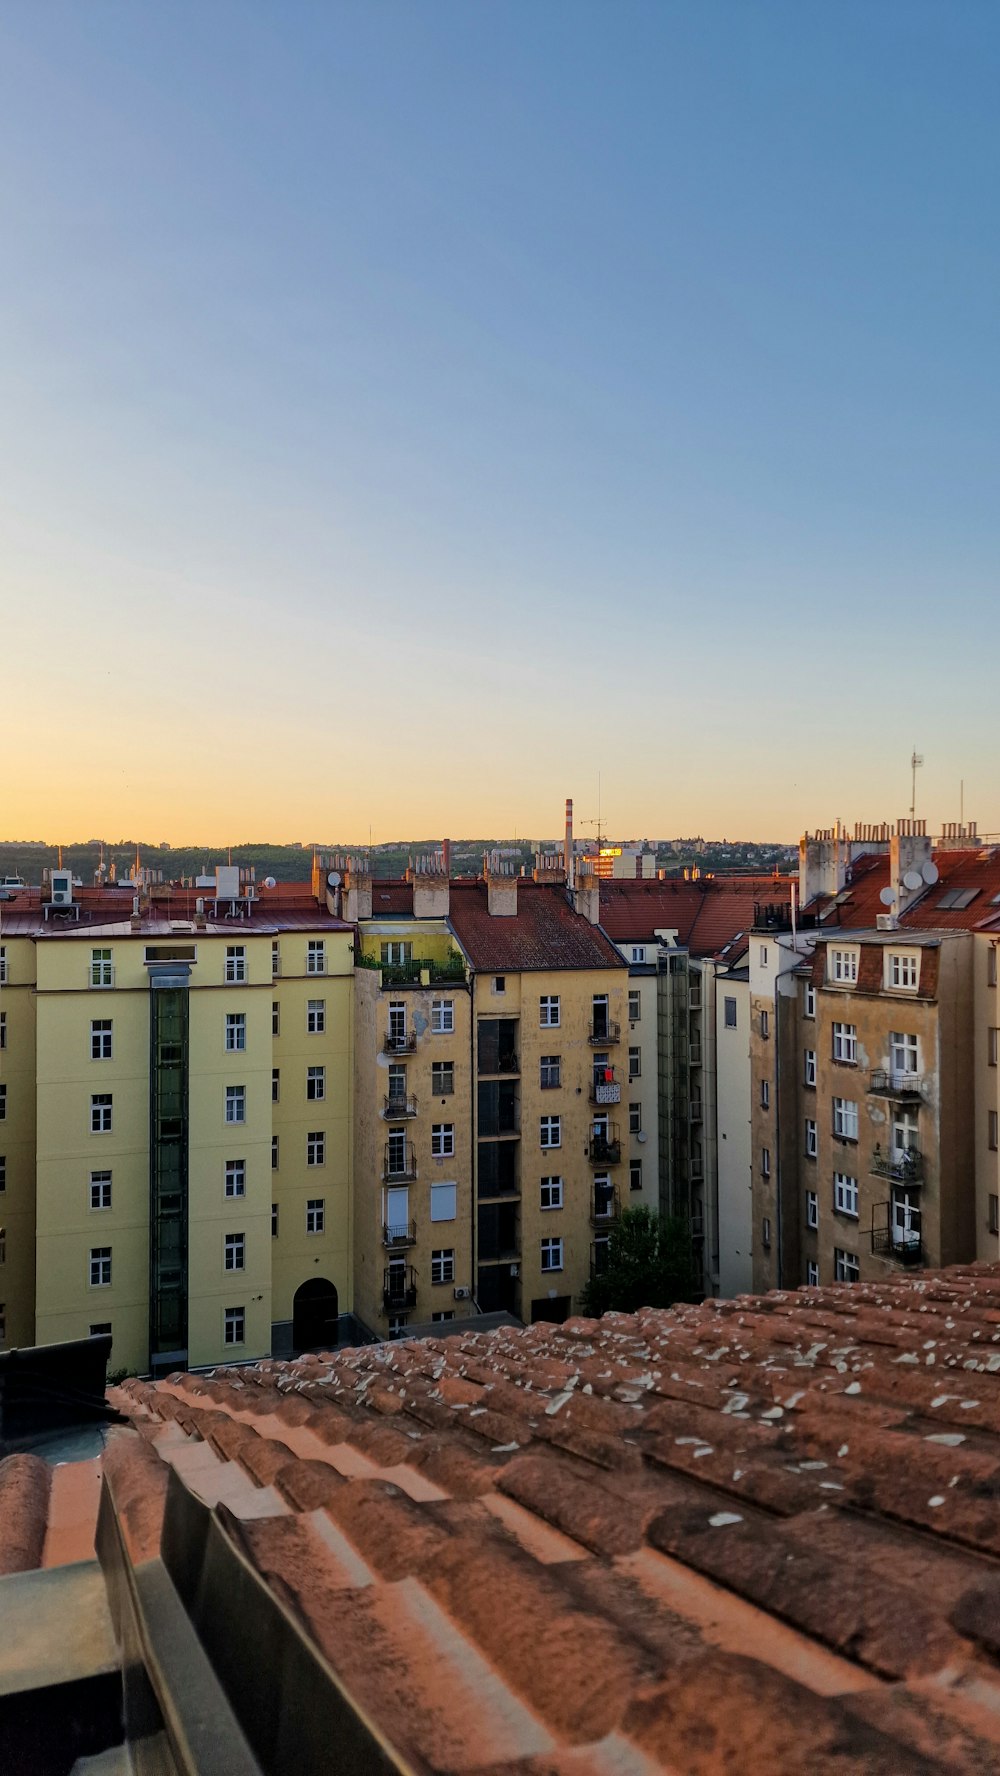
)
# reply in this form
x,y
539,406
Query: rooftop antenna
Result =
x,y
961,801
916,761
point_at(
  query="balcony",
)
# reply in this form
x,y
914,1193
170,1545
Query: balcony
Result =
x,y
602,1031
605,1091
397,1235
902,1168
399,1042
399,1289
605,1208
605,1148
398,1109
399,1168
884,1084
888,1241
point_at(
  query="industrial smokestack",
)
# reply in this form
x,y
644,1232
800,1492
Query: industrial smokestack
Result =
x,y
446,856
568,848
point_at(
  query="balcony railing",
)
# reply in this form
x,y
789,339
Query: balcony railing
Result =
x,y
399,1042
602,1030
885,1084
397,1109
887,1242
399,1168
605,1149
605,1091
399,1289
902,1168
399,1234
605,1208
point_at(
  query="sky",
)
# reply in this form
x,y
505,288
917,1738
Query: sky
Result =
x,y
413,414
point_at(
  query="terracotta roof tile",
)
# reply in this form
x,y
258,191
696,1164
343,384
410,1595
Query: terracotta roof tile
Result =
x,y
545,933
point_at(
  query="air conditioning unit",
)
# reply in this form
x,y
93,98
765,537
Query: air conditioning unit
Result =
x,y
462,1293
885,921
61,881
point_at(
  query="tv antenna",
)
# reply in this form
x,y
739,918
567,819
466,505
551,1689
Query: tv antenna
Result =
x,y
916,761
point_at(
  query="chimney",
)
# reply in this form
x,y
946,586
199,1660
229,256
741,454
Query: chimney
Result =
x,y
501,885
549,867
446,856
957,835
909,856
431,893
822,863
568,843
587,894
356,890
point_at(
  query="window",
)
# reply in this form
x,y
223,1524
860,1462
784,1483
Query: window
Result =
x,y
235,1325
548,1011
274,1153
316,955
635,1119
812,1139
991,966
442,1016
634,1063
550,1131
765,1094
274,1220
812,1274
442,1078
903,1051
275,958
500,983
3,1319
315,1214
634,1005
992,1039
100,1112
236,1103
100,1039
444,1202
846,1268
443,1265
102,1329
275,1017
810,1004
992,1130
397,1325
903,971
397,1084
396,1152
995,1214
3,965
635,1174
845,1194
316,1017
551,1193
844,966
316,1148
442,1140
809,1066
550,1071
3,1171
100,1267
765,1162
236,1030
446,1313
235,1251
397,1022
845,1119
812,1208
275,1084
552,1254
3,1106
845,1043
765,1233
765,1025
236,1176
315,1083
3,1032
101,972
236,962
729,1013
396,955
763,955
100,1190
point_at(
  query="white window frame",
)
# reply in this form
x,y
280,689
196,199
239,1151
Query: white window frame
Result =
x,y
845,1119
809,1009
101,1112
635,1118
812,1274
236,1032
442,1079
443,1265
315,1084
635,1063
100,1191
234,1325
904,1053
809,1067
812,1208
812,1138
234,1251
315,1215
765,1025
440,1201
101,1039
442,1140
236,964
316,955
638,953
442,1017
634,1005
843,969
845,1044
846,1268
765,1162
549,1065
100,1267
316,1017
902,971
845,1194
549,1132
234,1178
549,1011
316,1147
102,968
765,1094
236,1104
551,1255
551,1194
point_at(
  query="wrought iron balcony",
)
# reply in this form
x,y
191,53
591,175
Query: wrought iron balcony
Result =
x,y
397,1109
605,1091
399,1289
399,1234
395,1043
605,1208
399,1168
885,1084
902,1167
906,1248
602,1030
605,1149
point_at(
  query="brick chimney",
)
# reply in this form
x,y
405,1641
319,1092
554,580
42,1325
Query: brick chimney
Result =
x,y
431,894
549,867
568,841
587,894
501,885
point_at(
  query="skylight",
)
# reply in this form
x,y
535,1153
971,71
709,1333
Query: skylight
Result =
x,y
957,898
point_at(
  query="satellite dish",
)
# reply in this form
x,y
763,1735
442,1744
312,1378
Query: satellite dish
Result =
x,y
333,879
887,896
913,880
269,882
930,873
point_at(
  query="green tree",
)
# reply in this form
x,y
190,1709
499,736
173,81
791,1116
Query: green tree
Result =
x,y
650,1263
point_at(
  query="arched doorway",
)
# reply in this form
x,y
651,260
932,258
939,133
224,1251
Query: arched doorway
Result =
x,y
314,1315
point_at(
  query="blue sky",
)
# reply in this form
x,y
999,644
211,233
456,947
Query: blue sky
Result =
x,y
409,411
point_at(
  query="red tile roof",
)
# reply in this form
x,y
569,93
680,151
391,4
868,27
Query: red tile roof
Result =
x,y
705,914
757,1535
546,932
860,903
